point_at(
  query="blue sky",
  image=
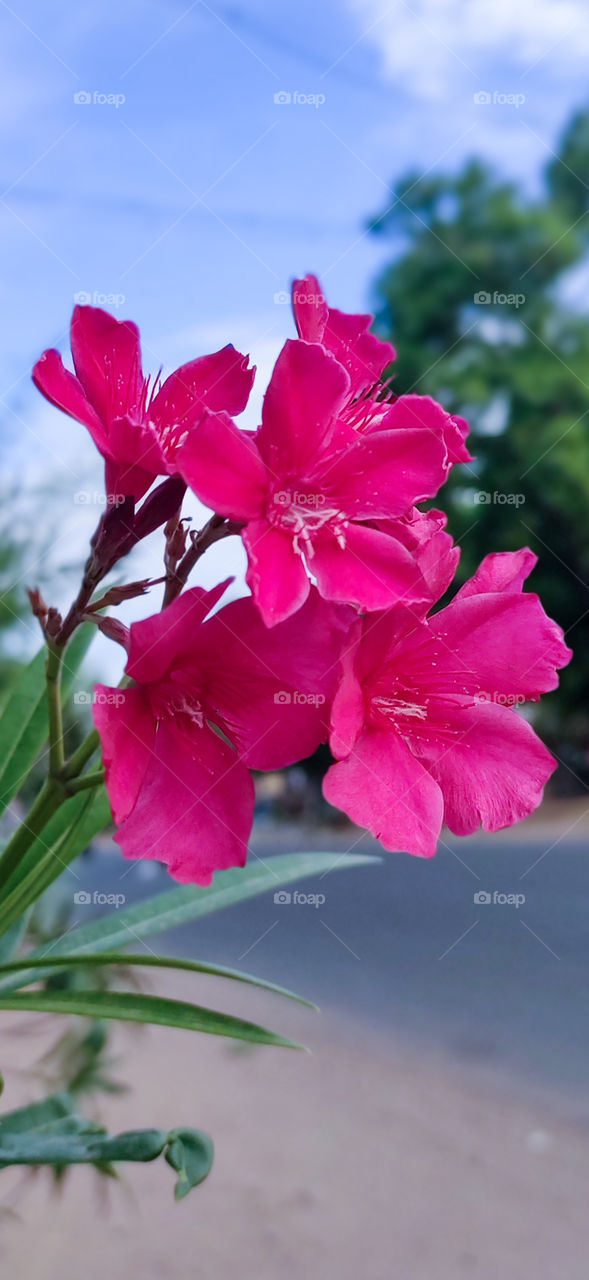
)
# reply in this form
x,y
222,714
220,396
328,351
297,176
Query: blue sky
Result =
x,y
197,196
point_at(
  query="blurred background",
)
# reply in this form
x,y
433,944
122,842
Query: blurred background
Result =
x,y
430,162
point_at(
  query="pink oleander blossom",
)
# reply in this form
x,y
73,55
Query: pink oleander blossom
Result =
x,y
310,490
424,723
214,696
372,405
348,337
436,554
136,423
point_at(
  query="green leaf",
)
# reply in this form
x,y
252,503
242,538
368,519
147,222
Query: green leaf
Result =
x,y
181,906
23,720
37,1117
152,961
190,1154
52,1132
66,835
10,940
130,1006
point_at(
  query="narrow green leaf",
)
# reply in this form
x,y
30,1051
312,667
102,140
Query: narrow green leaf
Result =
x,y
131,1006
10,940
23,721
151,961
67,834
36,1116
181,906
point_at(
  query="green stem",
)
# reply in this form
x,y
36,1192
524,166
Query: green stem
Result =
x,y
85,781
53,677
81,756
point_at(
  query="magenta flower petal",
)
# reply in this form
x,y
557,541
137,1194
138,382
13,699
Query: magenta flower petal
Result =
x,y
136,426
62,389
215,697
444,689
218,382
127,732
223,467
169,637
383,787
349,710
411,410
276,574
500,571
195,809
368,569
361,353
307,391
494,771
222,380
310,309
273,688
436,555
502,645
107,360
386,473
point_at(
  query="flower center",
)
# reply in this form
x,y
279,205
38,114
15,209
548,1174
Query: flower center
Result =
x,y
368,409
169,700
305,514
391,708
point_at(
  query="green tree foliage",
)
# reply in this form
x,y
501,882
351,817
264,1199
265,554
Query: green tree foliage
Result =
x,y
466,248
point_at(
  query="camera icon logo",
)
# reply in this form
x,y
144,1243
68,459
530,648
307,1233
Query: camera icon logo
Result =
x,y
82,298
283,698
482,497
282,98
82,699
82,98
82,898
482,898
482,298
482,98
282,897
281,297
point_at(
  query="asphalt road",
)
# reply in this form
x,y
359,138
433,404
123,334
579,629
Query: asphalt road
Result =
x,y
404,946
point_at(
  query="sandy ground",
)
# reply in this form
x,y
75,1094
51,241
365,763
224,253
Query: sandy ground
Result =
x,y
365,1158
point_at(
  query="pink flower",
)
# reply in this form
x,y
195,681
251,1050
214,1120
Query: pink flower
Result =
x,y
306,485
348,337
372,405
424,726
135,425
436,555
214,696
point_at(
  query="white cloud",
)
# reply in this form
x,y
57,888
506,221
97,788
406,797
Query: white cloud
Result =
x,y
428,44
